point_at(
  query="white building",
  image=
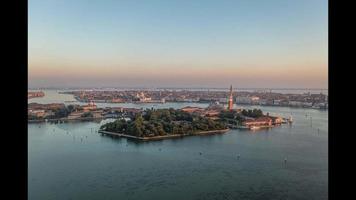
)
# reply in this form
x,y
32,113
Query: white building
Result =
x,y
295,103
247,100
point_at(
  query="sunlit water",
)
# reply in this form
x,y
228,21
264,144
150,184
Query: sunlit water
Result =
x,y
73,161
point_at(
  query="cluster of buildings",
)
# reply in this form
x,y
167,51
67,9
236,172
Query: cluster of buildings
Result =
x,y
306,100
117,96
142,98
108,112
91,111
60,111
214,109
31,95
264,121
35,110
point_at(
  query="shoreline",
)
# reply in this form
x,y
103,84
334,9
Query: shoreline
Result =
x,y
203,102
212,132
65,119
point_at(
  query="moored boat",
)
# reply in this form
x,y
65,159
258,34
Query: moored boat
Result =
x,y
254,127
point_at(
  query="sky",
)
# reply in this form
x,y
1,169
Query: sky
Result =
x,y
178,43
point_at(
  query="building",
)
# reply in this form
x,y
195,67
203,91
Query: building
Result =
x,y
296,103
51,106
37,113
247,100
143,98
117,100
191,109
230,102
117,109
90,106
131,111
213,110
276,102
98,113
75,115
35,94
261,121
277,120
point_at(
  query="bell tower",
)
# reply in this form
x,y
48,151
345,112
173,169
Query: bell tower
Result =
x,y
230,103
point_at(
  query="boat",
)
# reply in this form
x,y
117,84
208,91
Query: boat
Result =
x,y
290,119
254,127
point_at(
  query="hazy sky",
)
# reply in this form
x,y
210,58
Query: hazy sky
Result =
x,y
181,43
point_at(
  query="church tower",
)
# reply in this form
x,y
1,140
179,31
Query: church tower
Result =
x,y
230,103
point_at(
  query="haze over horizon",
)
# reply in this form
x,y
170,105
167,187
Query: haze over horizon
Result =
x,y
249,44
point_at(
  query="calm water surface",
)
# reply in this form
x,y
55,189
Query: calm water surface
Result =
x,y
73,161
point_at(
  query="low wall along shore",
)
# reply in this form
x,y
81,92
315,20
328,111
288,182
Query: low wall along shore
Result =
x,y
212,132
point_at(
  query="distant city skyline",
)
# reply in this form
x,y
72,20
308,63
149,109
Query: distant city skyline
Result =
x,y
249,44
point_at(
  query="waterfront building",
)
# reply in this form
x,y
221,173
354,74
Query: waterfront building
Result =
x,y
35,94
295,103
213,110
277,120
117,100
117,109
37,113
261,121
75,115
247,100
276,102
142,97
97,113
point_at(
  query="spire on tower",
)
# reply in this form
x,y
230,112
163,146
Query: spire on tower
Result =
x,y
230,104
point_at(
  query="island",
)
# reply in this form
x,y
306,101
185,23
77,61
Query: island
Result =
x,y
157,124
162,124
153,124
59,112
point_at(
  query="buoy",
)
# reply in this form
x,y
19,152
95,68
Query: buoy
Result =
x,y
238,157
285,161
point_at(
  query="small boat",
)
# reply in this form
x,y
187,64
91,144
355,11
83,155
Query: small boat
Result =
x,y
254,127
290,120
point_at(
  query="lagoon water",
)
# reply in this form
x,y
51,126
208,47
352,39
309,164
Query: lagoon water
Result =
x,y
73,161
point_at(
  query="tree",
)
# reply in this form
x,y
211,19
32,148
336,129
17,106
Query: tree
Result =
x,y
252,113
61,112
87,114
159,122
160,130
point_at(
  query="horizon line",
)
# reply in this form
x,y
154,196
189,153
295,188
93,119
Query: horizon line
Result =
x,y
138,87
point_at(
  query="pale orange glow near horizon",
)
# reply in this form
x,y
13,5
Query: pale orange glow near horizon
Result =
x,y
257,47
